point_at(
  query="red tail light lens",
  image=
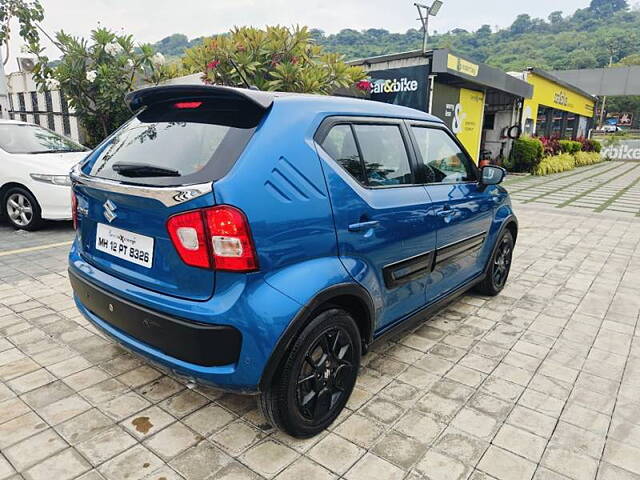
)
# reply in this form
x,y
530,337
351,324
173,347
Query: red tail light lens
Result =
x,y
188,234
187,105
74,209
217,237
231,241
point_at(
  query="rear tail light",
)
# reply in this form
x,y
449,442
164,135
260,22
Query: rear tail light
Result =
x,y
74,209
189,236
217,237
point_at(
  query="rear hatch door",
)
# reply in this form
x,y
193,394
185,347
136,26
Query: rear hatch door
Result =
x,y
160,163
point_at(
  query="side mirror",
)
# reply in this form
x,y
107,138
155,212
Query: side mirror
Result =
x,y
492,175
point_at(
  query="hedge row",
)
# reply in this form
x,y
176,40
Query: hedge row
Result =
x,y
565,162
550,155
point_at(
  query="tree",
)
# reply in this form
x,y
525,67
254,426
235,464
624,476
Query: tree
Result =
x,y
606,8
96,75
522,24
273,59
484,31
174,45
555,18
28,13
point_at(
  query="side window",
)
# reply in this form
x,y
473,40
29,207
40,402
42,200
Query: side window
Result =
x,y
385,155
443,161
341,146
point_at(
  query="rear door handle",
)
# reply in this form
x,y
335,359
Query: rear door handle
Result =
x,y
359,227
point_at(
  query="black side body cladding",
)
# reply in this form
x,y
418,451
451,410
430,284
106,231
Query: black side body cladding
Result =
x,y
407,270
460,249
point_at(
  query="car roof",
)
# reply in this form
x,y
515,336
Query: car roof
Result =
x,y
264,100
353,106
14,122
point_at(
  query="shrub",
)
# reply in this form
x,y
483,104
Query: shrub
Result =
x,y
569,146
589,145
555,164
596,146
95,75
587,158
551,146
526,154
274,58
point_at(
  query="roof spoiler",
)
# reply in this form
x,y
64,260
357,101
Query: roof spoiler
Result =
x,y
168,93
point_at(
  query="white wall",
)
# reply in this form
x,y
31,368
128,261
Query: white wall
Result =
x,y
50,116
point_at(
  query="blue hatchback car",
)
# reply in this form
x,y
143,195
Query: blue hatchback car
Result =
x,y
262,242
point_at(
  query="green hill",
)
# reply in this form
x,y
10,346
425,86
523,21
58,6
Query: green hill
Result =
x,y
587,38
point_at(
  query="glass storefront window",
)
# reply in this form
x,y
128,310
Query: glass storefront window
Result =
x,y
572,124
541,122
556,128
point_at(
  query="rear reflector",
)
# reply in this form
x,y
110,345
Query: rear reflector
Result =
x,y
217,237
187,105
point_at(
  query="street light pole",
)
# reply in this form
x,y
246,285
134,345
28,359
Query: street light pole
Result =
x,y
425,12
604,99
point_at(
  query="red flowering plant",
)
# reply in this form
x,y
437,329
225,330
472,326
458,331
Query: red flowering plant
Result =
x,y
213,64
364,85
276,58
589,145
551,146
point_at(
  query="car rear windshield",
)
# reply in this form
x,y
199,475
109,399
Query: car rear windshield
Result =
x,y
24,138
176,143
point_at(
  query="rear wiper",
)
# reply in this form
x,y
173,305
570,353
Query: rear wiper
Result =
x,y
66,150
143,170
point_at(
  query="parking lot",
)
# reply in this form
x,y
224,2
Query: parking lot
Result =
x,y
541,382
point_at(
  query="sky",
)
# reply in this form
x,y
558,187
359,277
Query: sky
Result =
x,y
151,20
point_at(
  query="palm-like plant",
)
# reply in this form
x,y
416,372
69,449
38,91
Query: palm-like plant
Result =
x,y
277,58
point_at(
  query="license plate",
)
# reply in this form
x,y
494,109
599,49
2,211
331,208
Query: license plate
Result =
x,y
133,247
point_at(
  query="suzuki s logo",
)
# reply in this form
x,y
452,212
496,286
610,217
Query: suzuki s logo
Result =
x,y
110,211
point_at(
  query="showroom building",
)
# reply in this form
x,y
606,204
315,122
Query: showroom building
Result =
x,y
485,107
557,108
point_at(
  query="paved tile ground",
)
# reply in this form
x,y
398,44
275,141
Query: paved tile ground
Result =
x,y
611,187
541,382
20,254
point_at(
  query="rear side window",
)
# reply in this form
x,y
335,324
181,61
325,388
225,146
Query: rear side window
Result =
x,y
341,146
175,143
385,155
376,156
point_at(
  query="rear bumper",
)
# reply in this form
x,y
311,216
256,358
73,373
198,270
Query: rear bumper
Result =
x,y
200,344
240,323
54,200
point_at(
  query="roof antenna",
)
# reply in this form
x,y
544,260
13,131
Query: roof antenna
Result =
x,y
244,80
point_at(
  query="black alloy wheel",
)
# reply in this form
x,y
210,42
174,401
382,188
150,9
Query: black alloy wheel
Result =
x,y
499,266
502,262
316,376
325,374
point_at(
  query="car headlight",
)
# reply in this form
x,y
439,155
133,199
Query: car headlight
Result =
x,y
52,179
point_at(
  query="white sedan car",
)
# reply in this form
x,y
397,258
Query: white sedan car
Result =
x,y
34,174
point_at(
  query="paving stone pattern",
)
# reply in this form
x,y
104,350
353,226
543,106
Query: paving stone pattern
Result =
x,y
610,187
541,382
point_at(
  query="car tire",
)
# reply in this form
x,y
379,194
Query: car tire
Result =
x,y
22,209
499,266
317,376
